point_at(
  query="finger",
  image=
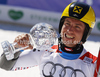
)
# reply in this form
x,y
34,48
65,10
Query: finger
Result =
x,y
23,40
30,46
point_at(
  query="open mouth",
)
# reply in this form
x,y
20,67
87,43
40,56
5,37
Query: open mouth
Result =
x,y
68,36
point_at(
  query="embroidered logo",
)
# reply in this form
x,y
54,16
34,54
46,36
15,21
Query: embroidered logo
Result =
x,y
87,60
77,9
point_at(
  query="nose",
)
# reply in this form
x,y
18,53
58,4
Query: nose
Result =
x,y
70,29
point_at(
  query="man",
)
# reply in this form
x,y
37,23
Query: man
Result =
x,y
69,58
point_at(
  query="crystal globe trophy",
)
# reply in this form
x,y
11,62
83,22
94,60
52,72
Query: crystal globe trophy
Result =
x,y
41,35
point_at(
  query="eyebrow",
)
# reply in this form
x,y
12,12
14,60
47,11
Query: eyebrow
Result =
x,y
67,20
79,24
70,22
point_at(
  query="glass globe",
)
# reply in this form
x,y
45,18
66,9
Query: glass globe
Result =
x,y
43,34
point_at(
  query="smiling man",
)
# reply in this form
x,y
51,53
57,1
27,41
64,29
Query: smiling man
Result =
x,y
75,26
67,59
72,31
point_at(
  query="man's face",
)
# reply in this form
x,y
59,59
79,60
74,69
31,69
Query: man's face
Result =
x,y
72,32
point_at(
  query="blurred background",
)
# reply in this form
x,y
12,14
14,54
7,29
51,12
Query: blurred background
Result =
x,y
18,16
29,12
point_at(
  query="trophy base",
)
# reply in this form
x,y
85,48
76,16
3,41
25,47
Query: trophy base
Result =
x,y
8,50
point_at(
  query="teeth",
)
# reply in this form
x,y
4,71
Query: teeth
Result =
x,y
69,36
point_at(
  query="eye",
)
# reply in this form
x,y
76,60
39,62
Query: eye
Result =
x,y
67,24
78,27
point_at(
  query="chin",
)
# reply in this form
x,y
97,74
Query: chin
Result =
x,y
70,45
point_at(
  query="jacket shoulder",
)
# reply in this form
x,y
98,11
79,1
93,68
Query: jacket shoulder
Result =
x,y
88,57
54,47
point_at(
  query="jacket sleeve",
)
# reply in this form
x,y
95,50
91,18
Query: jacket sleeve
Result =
x,y
22,60
8,65
28,59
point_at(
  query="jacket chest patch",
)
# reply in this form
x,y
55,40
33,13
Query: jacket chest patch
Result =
x,y
87,60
